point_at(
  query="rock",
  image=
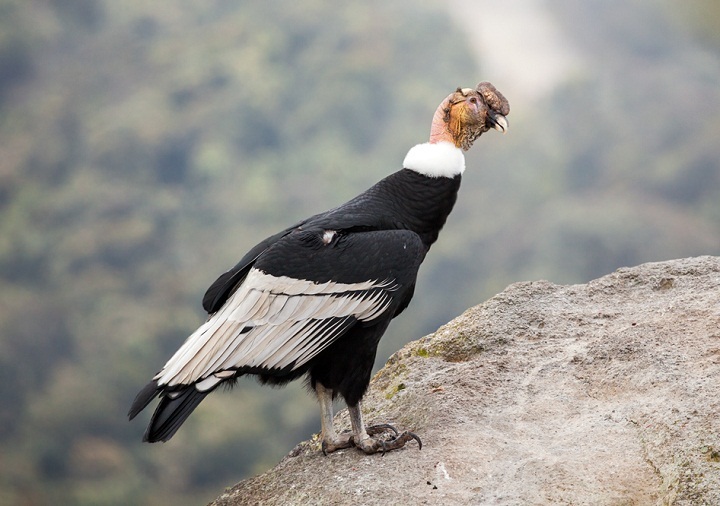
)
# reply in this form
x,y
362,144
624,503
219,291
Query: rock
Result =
x,y
606,393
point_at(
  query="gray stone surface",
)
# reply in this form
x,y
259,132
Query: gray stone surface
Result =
x,y
606,393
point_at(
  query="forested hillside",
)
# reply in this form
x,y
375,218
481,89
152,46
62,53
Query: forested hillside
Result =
x,y
144,147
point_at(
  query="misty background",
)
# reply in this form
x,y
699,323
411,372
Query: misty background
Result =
x,y
144,147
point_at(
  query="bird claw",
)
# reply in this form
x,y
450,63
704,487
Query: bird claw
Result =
x,y
342,442
372,445
381,427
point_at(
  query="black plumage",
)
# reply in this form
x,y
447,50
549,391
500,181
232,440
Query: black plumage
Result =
x,y
316,298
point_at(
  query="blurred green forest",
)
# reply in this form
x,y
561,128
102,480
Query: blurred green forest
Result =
x,y
144,147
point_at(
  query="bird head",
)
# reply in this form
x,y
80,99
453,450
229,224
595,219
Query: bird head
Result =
x,y
468,113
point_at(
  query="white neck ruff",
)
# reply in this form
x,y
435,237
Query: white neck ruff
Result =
x,y
441,159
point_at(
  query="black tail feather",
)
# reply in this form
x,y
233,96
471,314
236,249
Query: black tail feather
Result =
x,y
171,413
143,398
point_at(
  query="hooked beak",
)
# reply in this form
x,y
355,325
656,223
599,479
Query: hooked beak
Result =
x,y
498,121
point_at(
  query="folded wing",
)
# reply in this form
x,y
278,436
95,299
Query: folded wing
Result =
x,y
273,323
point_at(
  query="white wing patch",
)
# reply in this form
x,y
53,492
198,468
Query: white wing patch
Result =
x,y
272,322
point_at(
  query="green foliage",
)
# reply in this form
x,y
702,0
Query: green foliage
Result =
x,y
146,147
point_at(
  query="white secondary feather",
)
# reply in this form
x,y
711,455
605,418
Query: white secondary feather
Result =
x,y
441,159
272,322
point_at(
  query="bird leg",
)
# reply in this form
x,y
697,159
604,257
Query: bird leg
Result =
x,y
363,437
330,439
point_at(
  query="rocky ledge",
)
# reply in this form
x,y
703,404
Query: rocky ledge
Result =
x,y
605,393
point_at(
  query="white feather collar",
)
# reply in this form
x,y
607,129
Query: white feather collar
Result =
x,y
440,159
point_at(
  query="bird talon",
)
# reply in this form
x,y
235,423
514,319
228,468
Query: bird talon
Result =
x,y
376,429
379,445
339,443
416,438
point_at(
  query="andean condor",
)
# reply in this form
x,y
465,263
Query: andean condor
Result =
x,y
316,298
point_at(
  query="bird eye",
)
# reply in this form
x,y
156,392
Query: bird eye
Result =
x,y
473,100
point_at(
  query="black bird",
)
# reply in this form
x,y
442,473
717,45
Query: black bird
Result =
x,y
316,298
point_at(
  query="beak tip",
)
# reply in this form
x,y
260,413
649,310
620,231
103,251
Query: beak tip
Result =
x,y
500,123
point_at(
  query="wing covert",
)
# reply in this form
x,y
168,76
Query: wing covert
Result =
x,y
297,298
216,295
